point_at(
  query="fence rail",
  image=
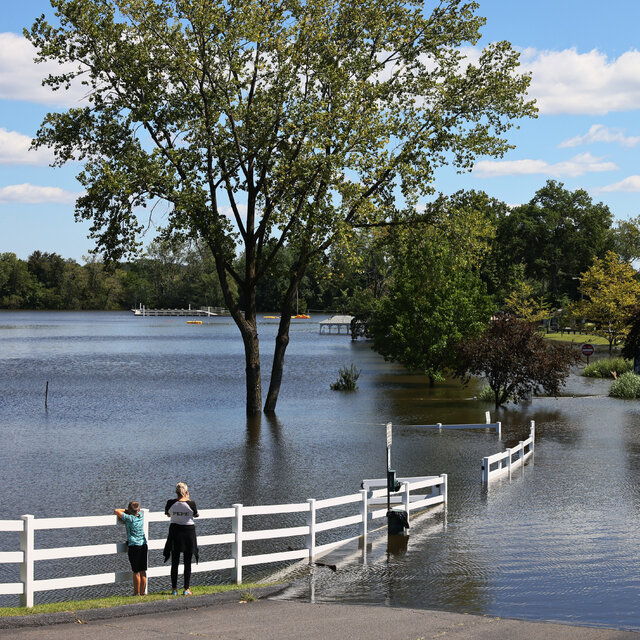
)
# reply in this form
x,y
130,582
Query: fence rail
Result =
x,y
28,554
503,463
497,426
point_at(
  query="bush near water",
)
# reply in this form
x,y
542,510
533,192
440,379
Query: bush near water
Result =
x,y
607,367
627,386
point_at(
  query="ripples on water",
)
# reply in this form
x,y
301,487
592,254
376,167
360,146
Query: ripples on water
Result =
x,y
136,404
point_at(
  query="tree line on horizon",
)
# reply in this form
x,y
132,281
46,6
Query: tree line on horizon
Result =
x,y
482,256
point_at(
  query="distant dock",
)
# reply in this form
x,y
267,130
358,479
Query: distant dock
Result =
x,y
336,322
206,312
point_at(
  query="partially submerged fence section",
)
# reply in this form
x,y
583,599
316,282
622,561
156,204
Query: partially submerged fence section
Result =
x,y
314,513
503,463
497,426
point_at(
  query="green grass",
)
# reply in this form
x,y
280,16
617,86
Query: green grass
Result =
x,y
603,367
115,601
578,338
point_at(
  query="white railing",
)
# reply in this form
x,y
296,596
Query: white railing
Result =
x,y
503,463
28,554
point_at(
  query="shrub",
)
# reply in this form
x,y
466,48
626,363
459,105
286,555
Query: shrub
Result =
x,y
602,368
627,386
346,379
486,394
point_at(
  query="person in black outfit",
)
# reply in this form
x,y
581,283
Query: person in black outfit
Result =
x,y
182,536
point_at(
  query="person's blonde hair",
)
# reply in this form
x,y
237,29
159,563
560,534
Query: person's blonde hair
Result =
x,y
182,489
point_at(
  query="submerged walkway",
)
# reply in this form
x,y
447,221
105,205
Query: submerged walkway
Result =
x,y
222,617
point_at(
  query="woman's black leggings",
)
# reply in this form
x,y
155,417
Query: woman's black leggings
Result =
x,y
175,563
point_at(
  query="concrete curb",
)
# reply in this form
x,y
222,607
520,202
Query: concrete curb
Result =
x,y
135,609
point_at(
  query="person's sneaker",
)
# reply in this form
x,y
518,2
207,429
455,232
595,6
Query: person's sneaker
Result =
x,y
186,592
174,592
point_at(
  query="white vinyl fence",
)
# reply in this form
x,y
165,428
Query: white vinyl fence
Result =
x,y
313,509
505,462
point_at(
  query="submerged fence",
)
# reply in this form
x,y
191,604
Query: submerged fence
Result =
x,y
505,462
497,426
313,510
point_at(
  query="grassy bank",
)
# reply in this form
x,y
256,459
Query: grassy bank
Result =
x,y
244,593
577,338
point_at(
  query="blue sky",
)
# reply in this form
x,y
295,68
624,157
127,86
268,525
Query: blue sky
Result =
x,y
586,79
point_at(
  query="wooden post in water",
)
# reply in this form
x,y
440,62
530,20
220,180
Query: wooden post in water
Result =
x,y
46,397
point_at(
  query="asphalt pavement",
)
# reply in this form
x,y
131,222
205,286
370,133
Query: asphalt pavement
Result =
x,y
224,617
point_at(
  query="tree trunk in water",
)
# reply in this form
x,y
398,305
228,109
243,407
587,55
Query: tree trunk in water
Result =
x,y
282,342
252,369
282,339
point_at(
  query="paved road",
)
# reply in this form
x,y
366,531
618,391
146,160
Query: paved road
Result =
x,y
285,620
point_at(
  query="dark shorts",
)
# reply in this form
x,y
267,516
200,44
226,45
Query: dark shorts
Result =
x,y
138,557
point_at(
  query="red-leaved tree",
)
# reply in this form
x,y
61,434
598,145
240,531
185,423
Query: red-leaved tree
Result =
x,y
515,360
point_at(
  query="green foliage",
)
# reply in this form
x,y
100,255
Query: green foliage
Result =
x,y
627,386
522,304
434,297
486,394
166,277
611,290
555,236
626,239
347,379
604,367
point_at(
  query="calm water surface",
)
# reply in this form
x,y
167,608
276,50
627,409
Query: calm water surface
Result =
x,y
136,404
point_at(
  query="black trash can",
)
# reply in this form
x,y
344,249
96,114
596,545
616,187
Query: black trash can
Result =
x,y
398,522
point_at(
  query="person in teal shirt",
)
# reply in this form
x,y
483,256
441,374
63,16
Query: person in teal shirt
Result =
x,y
137,545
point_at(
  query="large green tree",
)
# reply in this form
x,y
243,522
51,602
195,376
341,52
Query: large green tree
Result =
x,y
435,296
556,236
254,120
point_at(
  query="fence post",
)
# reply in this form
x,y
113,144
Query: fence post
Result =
x,y
364,513
27,540
485,469
509,461
532,433
145,525
311,523
499,428
487,417
406,502
236,547
521,454
444,487
439,425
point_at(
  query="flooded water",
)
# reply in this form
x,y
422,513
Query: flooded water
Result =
x,y
136,404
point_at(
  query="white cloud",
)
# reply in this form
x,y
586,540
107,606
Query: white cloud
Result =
x,y
14,149
583,83
21,78
31,194
576,166
630,185
600,133
228,211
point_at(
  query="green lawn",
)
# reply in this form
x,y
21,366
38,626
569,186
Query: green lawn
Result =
x,y
577,338
244,593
